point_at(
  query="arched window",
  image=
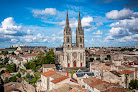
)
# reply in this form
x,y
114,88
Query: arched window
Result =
x,y
67,39
68,46
80,39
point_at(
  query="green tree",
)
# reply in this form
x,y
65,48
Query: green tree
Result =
x,y
126,79
28,75
40,57
11,68
4,52
13,53
49,58
91,59
6,80
6,59
13,79
97,58
109,57
106,58
133,84
72,72
19,75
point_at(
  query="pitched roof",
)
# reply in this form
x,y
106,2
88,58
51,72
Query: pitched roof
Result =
x,y
126,71
105,68
115,73
57,80
6,74
115,89
49,73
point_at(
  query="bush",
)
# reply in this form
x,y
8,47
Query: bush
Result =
x,y
19,75
13,79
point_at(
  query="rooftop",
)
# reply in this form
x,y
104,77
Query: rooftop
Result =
x,y
57,80
48,66
49,73
126,71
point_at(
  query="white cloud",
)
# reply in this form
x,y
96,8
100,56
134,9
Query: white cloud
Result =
x,y
122,14
74,22
99,24
98,32
8,26
46,11
130,24
86,21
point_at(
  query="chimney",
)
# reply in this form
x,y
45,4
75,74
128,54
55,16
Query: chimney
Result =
x,y
67,73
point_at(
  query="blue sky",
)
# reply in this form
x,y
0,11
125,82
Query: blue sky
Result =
x,y
41,22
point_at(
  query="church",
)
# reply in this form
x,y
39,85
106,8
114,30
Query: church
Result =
x,y
72,54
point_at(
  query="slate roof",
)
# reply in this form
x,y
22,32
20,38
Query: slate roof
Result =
x,y
81,74
59,49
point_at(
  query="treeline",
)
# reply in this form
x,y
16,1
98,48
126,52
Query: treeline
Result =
x,y
40,59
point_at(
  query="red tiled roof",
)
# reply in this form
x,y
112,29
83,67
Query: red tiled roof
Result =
x,y
34,54
59,79
126,71
49,73
6,74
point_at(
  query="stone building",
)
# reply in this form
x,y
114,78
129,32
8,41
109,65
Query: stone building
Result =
x,y
72,54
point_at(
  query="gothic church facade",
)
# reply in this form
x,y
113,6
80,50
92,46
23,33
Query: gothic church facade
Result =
x,y
72,54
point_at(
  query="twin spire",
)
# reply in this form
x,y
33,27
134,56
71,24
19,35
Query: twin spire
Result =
x,y
79,21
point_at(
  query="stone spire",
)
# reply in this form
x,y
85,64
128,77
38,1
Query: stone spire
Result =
x,y
67,21
79,22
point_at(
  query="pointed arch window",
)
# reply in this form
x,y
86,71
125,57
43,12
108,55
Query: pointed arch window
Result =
x,y
80,39
67,39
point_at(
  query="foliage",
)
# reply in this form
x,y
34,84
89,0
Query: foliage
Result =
x,y
126,80
19,75
72,72
28,75
91,59
13,79
1,66
133,84
49,58
32,79
11,68
22,70
6,80
97,58
12,48
41,59
106,58
127,49
4,52
6,59
13,53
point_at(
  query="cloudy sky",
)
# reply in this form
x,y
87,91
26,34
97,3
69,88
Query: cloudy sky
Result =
x,y
41,22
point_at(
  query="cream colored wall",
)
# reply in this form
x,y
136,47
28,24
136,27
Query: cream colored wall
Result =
x,y
47,69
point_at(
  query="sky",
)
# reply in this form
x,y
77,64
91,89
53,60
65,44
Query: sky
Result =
x,y
106,23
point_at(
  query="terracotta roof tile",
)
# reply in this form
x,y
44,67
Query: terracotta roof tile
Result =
x,y
49,73
59,79
126,71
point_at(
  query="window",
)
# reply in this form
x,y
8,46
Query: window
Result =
x,y
67,39
81,46
68,46
80,39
